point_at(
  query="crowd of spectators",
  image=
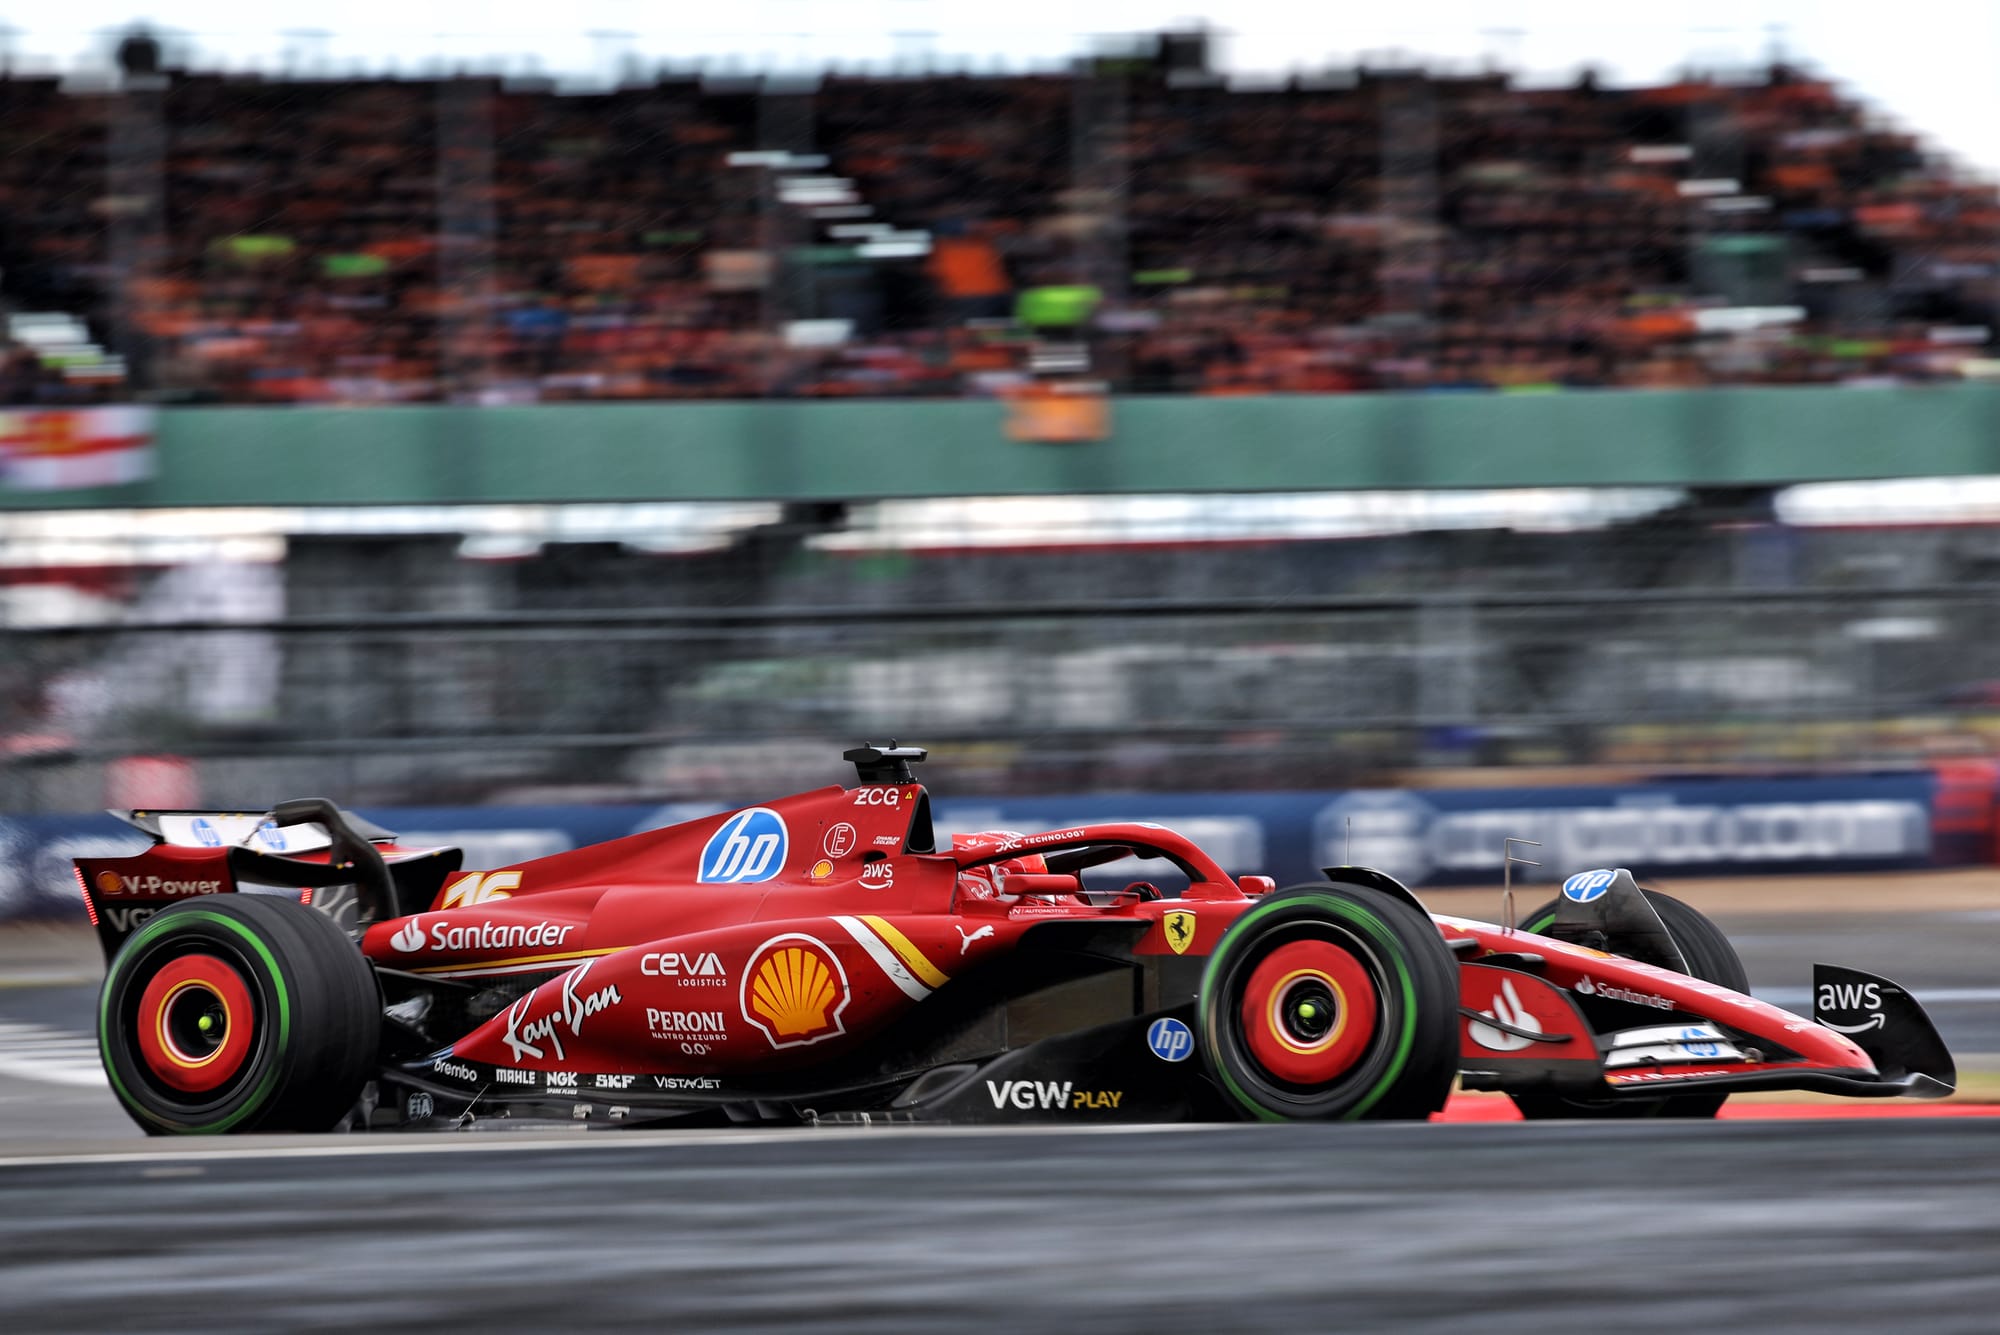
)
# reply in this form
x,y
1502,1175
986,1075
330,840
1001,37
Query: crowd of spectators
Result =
x,y
249,239
25,379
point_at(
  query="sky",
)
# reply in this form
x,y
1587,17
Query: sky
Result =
x,y
1929,65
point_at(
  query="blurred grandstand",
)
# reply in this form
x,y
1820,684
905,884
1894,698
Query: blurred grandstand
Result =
x,y
1137,225
247,239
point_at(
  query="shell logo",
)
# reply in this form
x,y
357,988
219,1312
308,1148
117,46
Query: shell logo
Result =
x,y
794,990
108,883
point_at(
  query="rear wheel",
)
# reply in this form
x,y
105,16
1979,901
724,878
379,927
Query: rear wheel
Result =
x,y
238,1013
1331,1002
1709,957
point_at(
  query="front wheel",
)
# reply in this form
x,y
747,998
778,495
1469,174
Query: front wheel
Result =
x,y
1331,1002
1709,957
238,1013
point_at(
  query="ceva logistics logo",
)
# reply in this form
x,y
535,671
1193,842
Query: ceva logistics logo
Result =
x,y
748,847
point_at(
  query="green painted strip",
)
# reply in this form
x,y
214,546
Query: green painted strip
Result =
x,y
737,450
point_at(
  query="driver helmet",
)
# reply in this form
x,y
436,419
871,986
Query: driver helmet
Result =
x,y
984,881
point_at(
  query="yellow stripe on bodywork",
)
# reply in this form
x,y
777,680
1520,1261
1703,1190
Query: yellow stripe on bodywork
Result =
x,y
906,952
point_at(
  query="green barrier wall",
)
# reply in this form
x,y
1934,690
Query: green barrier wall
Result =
x,y
720,451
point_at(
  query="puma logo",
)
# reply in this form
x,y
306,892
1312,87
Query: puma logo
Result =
x,y
965,944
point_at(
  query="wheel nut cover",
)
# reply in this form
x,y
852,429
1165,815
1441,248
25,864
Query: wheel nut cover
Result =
x,y
1282,1023
196,1023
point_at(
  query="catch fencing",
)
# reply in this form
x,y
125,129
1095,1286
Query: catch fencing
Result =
x,y
1090,694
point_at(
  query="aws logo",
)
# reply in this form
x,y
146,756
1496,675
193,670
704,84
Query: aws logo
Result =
x,y
748,847
794,991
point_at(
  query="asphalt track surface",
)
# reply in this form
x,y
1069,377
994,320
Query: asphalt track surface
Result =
x,y
1495,1229
1780,1226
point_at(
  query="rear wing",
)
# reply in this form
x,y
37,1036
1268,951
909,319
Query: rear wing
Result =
x,y
308,847
290,828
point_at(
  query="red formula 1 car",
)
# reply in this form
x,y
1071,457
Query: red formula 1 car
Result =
x,y
822,959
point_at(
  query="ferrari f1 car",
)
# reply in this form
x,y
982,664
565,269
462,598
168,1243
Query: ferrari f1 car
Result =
x,y
825,958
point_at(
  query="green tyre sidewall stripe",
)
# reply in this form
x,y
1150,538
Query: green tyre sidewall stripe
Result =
x,y
1369,924
161,926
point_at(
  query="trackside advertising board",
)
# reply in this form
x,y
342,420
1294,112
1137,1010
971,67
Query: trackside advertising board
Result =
x,y
1425,837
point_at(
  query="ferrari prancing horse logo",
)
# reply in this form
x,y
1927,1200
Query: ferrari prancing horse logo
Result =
x,y
1179,927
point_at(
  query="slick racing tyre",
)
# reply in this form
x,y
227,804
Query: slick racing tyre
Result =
x,y
1709,957
238,1013
1331,1002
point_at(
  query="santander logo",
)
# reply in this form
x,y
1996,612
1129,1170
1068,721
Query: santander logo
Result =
x,y
409,938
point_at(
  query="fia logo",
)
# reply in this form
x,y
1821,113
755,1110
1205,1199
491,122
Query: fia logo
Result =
x,y
1170,1040
748,847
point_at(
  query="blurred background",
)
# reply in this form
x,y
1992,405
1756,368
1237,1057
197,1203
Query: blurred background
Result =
x,y
1331,437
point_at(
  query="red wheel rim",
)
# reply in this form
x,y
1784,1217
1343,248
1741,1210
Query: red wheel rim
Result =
x,y
1282,1015
196,1023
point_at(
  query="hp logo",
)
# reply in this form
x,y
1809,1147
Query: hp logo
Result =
x,y
1170,1040
1586,886
750,846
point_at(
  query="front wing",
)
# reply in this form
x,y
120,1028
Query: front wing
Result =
x,y
1521,1033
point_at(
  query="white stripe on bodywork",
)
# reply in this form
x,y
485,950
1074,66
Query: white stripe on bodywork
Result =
x,y
878,950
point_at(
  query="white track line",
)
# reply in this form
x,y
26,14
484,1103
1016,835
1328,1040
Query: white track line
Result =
x,y
52,1056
